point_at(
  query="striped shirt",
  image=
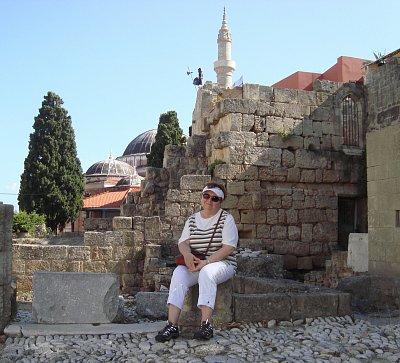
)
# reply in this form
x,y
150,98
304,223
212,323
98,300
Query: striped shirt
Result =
x,y
225,233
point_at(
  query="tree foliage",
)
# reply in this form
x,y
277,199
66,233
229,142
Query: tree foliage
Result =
x,y
168,133
52,181
27,222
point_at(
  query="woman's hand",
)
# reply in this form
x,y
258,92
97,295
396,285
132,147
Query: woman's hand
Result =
x,y
199,264
191,262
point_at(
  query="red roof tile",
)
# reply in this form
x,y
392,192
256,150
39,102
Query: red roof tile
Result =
x,y
109,199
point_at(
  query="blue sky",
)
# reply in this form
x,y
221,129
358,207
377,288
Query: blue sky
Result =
x,y
119,64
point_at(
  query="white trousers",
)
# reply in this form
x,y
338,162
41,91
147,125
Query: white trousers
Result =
x,y
208,278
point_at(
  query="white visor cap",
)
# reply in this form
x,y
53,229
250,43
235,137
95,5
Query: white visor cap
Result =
x,y
216,190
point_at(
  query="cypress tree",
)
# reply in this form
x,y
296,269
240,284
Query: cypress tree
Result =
x,y
168,133
52,182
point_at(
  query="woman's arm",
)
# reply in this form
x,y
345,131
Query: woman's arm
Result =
x,y
190,260
218,255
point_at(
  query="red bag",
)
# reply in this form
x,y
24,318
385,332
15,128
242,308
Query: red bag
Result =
x,y
180,260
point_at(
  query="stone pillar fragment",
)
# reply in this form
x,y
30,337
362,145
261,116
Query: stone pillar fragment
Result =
x,y
74,297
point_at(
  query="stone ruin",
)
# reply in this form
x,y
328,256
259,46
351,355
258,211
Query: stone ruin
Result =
x,y
283,158
294,164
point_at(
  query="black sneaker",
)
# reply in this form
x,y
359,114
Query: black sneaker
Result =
x,y
170,331
205,331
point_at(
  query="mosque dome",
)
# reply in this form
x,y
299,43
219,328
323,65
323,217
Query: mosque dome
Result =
x,y
111,167
142,143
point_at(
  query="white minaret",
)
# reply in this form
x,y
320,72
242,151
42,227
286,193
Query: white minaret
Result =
x,y
224,66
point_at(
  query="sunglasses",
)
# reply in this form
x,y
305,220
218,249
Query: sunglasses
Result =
x,y
213,198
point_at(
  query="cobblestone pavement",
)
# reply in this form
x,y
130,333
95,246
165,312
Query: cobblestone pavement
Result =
x,y
336,339
314,340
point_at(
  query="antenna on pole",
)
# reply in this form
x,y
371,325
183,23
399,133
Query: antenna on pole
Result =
x,y
197,81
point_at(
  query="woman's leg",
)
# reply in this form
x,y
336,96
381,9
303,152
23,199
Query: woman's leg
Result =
x,y
210,277
181,280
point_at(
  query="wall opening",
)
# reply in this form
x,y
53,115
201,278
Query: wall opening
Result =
x,y
350,122
347,221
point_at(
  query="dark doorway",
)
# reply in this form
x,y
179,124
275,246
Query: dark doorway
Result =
x,y
347,221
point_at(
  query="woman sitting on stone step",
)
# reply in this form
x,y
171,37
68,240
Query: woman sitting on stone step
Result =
x,y
211,224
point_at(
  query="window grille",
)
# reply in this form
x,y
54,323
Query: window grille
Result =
x,y
350,122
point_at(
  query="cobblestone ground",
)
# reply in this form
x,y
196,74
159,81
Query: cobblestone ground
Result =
x,y
337,339
315,340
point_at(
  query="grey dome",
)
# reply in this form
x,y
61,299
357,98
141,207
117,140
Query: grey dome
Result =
x,y
111,167
142,143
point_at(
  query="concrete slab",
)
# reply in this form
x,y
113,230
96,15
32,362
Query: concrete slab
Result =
x,y
32,329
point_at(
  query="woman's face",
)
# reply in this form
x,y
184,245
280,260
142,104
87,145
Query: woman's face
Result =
x,y
210,202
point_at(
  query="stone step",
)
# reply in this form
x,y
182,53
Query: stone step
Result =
x,y
289,306
252,299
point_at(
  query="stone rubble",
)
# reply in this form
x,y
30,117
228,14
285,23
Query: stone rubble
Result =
x,y
335,339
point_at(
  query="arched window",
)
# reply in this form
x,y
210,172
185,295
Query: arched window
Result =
x,y
350,122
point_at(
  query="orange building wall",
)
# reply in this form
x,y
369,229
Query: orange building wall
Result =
x,y
346,69
298,80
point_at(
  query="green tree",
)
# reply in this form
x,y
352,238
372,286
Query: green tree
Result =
x,y
27,222
168,133
52,181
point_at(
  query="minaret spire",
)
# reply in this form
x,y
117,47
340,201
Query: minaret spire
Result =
x,y
224,66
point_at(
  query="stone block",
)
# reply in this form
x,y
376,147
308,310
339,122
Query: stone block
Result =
x,y
119,223
235,188
152,228
228,171
101,253
114,238
94,266
153,250
357,257
27,252
152,304
74,297
79,253
304,263
313,305
194,182
24,283
285,95
94,239
289,262
263,265
58,265
54,252
34,265
223,309
344,304
260,307
123,253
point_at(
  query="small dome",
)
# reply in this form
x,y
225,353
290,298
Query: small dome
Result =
x,y
111,167
142,143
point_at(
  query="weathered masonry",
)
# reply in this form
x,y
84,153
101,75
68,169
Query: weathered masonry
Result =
x,y
293,162
382,83
6,292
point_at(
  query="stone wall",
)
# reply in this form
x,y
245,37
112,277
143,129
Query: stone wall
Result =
x,y
383,163
286,166
122,251
280,154
7,299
